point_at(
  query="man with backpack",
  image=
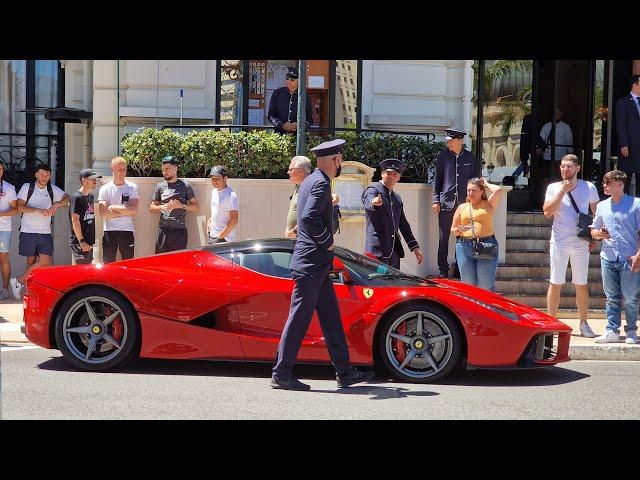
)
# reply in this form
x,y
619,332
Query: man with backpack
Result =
x,y
37,202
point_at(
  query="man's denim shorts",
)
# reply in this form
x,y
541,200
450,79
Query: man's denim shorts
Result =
x,y
5,241
32,244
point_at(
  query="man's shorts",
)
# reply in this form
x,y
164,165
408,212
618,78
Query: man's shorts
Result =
x,y
5,241
32,244
574,251
170,240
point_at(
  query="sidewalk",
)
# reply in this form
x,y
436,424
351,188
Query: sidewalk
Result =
x,y
579,349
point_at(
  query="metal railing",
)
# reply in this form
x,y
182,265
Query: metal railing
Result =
x,y
21,153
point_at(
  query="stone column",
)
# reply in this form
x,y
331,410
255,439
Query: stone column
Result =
x,y
105,112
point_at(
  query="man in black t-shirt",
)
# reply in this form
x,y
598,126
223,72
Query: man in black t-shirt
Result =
x,y
172,198
82,218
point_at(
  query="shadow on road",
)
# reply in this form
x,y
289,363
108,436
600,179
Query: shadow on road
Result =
x,y
486,378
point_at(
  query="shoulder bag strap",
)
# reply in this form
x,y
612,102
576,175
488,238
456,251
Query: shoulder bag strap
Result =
x,y
573,202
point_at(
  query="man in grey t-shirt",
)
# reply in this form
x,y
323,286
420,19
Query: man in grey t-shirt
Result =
x,y
172,198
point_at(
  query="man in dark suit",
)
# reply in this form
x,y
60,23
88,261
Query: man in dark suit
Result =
x,y
628,128
385,216
283,106
313,290
454,167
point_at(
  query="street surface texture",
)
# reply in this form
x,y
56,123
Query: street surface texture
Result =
x,y
37,384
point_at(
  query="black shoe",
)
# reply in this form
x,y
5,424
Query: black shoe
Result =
x,y
355,376
291,384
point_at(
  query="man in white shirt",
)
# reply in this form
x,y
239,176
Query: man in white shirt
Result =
x,y
565,246
118,203
8,208
224,208
38,202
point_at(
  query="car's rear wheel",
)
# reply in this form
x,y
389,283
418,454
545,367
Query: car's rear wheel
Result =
x,y
96,329
420,343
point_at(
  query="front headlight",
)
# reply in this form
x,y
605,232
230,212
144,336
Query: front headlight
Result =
x,y
513,316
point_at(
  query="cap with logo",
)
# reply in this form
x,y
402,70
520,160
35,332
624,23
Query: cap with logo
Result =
x,y
88,173
292,73
218,171
170,159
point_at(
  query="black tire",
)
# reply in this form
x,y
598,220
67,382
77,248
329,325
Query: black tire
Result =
x,y
445,352
114,332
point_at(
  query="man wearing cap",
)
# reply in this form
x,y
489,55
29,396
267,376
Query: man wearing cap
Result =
x,y
283,106
224,208
385,216
172,198
82,218
311,264
454,167
118,203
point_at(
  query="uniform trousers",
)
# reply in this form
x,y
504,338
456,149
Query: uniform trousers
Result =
x,y
393,260
445,219
312,294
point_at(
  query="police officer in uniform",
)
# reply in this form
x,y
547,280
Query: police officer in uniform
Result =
x,y
313,290
385,216
454,167
283,106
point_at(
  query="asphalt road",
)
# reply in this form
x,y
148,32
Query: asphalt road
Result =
x,y
38,384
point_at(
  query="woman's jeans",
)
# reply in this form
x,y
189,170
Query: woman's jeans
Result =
x,y
478,272
620,283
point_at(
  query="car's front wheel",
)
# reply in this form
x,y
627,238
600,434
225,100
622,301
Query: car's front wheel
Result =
x,y
420,343
96,329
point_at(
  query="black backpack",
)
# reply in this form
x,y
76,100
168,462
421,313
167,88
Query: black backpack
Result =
x,y
32,187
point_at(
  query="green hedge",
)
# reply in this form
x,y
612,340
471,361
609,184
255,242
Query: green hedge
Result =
x,y
267,154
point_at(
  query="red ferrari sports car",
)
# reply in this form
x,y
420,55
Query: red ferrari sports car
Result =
x,y
230,301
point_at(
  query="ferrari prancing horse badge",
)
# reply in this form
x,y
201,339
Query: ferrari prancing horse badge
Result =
x,y
367,292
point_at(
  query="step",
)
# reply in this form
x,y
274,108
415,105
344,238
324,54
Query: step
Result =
x,y
527,218
541,232
540,272
539,287
523,257
540,301
535,245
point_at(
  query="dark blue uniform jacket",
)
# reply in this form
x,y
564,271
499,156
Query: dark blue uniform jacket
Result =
x,y
452,175
628,129
383,223
315,226
283,107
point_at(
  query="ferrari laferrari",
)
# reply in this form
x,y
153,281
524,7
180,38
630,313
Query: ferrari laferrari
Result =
x,y
230,301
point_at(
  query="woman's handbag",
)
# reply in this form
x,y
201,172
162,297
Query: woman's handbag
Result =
x,y
583,229
482,250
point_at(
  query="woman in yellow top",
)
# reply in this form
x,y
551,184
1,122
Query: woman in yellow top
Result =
x,y
473,221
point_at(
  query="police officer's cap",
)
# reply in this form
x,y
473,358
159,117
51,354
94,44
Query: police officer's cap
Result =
x,y
170,159
329,148
292,73
453,133
218,171
393,164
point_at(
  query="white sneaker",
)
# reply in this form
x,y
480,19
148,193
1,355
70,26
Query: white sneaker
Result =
x,y
16,288
609,337
632,338
585,331
4,294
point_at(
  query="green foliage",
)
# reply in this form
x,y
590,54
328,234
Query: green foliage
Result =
x,y
267,154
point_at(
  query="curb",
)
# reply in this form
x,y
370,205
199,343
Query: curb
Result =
x,y
605,352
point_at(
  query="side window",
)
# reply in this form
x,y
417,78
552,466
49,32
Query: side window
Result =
x,y
275,264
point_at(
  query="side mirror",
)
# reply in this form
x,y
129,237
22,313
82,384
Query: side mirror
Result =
x,y
340,269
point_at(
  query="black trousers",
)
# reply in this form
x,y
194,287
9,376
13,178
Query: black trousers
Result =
x,y
393,260
312,294
171,239
115,240
445,219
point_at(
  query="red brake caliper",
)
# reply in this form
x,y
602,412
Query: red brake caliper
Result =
x,y
399,345
117,328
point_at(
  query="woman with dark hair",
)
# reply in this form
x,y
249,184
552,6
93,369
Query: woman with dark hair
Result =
x,y
476,244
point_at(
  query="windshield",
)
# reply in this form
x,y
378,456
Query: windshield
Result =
x,y
368,271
